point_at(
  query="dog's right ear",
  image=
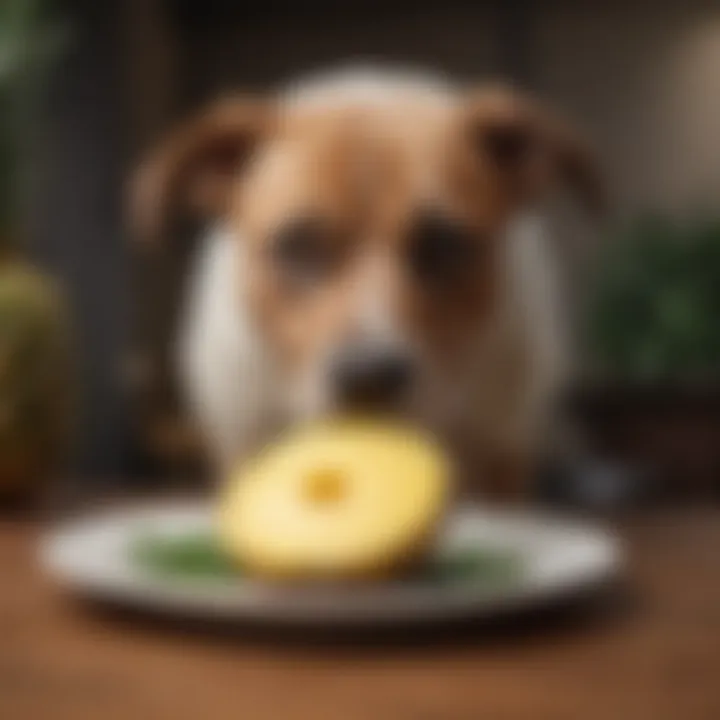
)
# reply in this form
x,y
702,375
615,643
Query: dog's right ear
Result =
x,y
197,166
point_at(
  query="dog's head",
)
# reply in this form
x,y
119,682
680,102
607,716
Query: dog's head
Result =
x,y
372,231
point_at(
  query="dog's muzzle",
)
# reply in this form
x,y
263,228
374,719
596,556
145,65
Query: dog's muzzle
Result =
x,y
371,375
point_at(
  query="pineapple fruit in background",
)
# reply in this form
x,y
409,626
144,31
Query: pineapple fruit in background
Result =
x,y
33,346
33,378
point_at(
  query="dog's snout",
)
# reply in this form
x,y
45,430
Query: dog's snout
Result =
x,y
371,374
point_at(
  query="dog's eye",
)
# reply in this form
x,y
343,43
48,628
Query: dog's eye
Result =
x,y
441,248
303,250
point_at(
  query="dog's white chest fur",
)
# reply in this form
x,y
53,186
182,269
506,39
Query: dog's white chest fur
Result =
x,y
224,373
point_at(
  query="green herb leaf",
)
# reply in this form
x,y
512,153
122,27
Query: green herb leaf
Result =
x,y
189,556
197,556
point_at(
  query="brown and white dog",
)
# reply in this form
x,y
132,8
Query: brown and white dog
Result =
x,y
375,247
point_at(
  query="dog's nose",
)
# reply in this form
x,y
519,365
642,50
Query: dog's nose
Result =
x,y
372,375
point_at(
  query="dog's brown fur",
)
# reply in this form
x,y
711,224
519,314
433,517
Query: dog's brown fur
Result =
x,y
366,173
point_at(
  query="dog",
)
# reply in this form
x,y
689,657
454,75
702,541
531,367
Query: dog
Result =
x,y
375,245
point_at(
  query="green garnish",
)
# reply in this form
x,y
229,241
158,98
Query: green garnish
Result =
x,y
187,556
197,557
487,567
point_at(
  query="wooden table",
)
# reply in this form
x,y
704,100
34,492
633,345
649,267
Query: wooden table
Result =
x,y
655,655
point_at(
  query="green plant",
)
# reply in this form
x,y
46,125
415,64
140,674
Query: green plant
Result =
x,y
655,314
31,37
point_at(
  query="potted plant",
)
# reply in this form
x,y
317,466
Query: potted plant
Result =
x,y
652,397
33,337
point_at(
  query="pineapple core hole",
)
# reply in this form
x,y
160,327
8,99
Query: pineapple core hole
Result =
x,y
325,486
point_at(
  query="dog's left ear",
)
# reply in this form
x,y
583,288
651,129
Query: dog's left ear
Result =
x,y
196,167
529,149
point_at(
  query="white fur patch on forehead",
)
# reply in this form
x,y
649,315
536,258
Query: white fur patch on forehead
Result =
x,y
368,86
374,312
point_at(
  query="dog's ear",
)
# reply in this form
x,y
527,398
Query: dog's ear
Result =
x,y
196,167
528,148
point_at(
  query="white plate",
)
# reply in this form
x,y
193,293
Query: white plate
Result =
x,y
558,558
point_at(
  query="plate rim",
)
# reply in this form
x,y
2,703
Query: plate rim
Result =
x,y
253,601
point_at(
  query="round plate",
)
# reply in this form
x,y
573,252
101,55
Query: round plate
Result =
x,y
558,558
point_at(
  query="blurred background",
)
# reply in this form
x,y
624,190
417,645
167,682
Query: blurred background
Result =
x,y
87,317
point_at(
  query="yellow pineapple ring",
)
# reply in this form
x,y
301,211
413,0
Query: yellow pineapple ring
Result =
x,y
343,500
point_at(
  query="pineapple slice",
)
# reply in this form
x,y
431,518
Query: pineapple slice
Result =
x,y
343,500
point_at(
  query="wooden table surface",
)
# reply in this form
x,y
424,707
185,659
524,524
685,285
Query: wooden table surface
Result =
x,y
650,652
